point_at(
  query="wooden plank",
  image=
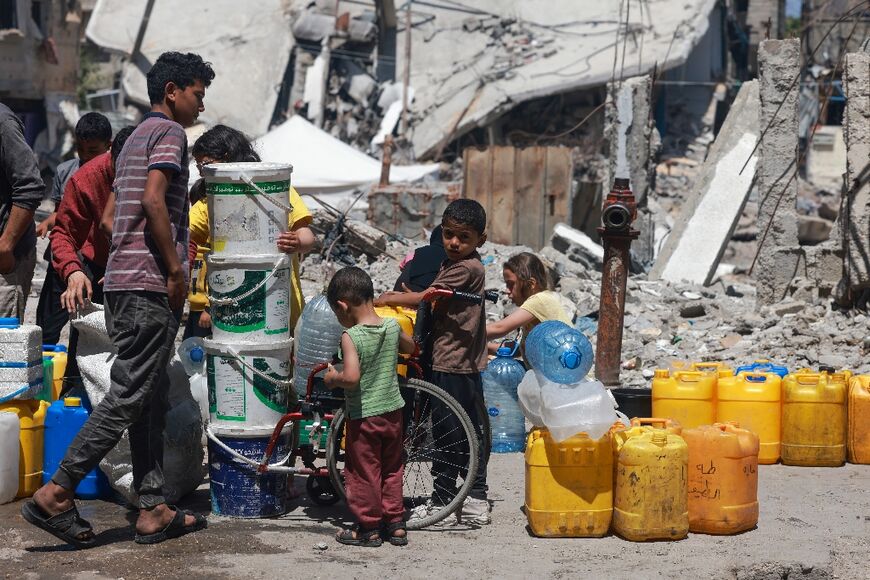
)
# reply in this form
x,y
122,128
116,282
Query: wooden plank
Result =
x,y
501,217
477,174
529,187
559,176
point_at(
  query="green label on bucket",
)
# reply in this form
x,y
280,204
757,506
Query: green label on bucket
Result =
x,y
245,189
267,308
226,386
276,397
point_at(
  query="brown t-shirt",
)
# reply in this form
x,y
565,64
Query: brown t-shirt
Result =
x,y
459,326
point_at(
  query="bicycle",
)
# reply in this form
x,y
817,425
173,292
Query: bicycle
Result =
x,y
427,407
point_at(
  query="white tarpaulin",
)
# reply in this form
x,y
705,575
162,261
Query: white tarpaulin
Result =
x,y
323,164
248,46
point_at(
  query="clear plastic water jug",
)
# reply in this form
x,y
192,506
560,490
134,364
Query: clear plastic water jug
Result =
x,y
192,356
501,379
317,339
561,353
9,434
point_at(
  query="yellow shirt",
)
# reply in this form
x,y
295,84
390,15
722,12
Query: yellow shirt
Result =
x,y
544,306
199,234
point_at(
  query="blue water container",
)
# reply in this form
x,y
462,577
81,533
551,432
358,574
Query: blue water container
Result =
x,y
762,366
561,353
237,490
62,422
500,381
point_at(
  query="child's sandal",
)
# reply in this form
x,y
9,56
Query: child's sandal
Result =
x,y
391,529
357,536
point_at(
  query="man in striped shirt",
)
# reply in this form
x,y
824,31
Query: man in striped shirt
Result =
x,y
144,291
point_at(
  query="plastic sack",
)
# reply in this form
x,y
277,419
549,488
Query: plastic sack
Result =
x,y
529,398
183,454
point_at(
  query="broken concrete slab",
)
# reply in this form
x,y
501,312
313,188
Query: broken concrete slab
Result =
x,y
779,64
813,229
857,133
695,245
570,241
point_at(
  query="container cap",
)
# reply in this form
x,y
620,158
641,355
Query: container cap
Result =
x,y
54,348
662,373
570,359
72,402
504,351
9,323
196,354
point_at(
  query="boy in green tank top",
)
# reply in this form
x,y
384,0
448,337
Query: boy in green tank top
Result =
x,y
373,450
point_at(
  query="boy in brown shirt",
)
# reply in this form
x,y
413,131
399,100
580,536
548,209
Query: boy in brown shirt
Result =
x,y
459,355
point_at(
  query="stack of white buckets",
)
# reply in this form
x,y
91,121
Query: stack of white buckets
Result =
x,y
248,357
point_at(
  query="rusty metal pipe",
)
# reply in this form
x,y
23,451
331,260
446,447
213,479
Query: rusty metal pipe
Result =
x,y
618,213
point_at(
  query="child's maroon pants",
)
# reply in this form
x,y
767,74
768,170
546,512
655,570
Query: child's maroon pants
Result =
x,y
373,469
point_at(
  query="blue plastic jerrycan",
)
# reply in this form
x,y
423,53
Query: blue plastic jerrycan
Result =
x,y
63,420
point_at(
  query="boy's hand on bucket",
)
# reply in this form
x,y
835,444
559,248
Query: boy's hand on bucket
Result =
x,y
288,242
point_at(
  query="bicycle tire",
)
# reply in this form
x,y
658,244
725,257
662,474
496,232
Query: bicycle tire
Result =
x,y
336,432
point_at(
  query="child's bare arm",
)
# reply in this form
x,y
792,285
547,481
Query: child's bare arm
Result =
x,y
505,326
406,344
348,378
407,298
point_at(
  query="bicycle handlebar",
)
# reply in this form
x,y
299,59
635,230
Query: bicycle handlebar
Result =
x,y
436,293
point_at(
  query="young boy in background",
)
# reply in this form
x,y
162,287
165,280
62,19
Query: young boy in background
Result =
x,y
373,462
459,354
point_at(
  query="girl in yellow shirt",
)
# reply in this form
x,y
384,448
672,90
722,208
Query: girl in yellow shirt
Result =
x,y
526,281
223,144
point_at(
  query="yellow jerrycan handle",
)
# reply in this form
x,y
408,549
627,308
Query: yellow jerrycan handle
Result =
x,y
808,378
754,377
652,421
691,376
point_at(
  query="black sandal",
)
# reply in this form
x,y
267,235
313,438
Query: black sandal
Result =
x,y
67,526
391,529
357,536
175,528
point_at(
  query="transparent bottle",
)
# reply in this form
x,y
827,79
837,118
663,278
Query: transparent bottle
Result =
x,y
561,353
501,378
317,339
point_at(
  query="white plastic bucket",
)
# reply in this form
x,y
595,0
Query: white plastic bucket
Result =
x,y
248,206
250,298
248,385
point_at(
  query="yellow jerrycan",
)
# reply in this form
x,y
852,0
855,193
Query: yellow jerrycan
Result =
x,y
639,425
754,401
723,479
569,485
650,496
859,419
406,318
813,421
688,397
31,417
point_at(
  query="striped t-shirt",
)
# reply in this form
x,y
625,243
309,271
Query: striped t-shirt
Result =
x,y
378,349
134,259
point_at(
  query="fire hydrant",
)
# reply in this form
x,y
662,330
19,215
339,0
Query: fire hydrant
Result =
x,y
617,215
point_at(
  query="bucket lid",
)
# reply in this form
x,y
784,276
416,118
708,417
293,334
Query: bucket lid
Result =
x,y
11,322
212,346
256,432
72,402
252,169
266,261
53,348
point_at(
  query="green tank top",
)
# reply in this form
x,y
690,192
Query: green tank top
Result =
x,y
378,351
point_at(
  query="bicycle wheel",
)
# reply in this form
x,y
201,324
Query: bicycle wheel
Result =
x,y
430,452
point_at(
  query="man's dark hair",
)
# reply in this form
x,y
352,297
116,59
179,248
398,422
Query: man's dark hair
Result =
x,y
224,144
466,212
181,69
351,285
94,127
118,143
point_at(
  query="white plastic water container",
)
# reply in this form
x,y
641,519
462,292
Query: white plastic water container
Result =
x,y
247,206
585,406
249,297
9,456
20,360
248,384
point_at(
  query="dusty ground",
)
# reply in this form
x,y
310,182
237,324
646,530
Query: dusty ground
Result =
x,y
815,523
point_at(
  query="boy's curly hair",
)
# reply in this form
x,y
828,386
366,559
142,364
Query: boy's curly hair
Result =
x,y
178,68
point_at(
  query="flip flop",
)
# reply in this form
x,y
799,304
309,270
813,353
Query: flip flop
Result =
x,y
66,526
175,528
363,538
